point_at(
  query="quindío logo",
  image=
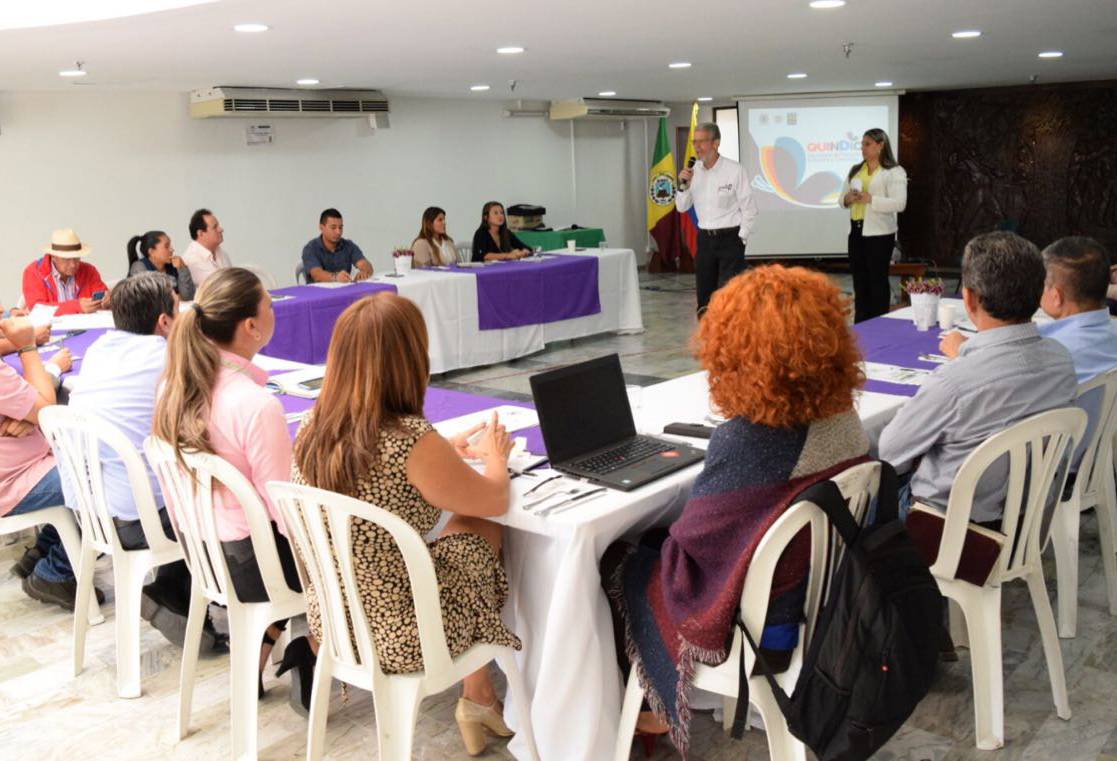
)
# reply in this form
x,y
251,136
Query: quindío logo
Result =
x,y
662,189
783,168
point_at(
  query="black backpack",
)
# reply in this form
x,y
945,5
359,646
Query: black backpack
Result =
x,y
876,641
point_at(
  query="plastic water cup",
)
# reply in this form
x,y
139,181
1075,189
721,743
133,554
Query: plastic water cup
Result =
x,y
946,316
572,246
603,245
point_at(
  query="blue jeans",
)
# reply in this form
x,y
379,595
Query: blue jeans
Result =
x,y
54,565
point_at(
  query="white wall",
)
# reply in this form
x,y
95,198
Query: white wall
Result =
x,y
114,164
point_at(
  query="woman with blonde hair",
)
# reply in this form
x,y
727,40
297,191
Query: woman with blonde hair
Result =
x,y
367,438
432,246
783,367
214,400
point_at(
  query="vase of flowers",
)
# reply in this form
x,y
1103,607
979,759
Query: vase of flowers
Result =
x,y
402,257
925,294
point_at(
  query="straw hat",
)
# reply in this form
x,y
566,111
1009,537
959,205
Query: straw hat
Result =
x,y
65,244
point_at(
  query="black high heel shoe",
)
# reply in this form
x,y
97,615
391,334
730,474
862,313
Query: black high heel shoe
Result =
x,y
268,640
301,658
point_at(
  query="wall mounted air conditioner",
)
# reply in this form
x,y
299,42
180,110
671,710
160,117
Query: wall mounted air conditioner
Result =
x,y
607,108
220,101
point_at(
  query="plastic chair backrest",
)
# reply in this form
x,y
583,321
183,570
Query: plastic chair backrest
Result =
x,y
300,273
1099,448
265,277
1038,449
80,440
189,492
320,524
859,485
465,251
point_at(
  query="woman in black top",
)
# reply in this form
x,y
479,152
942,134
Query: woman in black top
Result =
x,y
153,252
493,241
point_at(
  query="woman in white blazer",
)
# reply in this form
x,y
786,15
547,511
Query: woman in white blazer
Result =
x,y
875,191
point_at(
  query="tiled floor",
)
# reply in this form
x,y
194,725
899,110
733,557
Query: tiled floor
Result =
x,y
46,713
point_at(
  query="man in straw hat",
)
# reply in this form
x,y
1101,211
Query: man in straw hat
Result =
x,y
61,277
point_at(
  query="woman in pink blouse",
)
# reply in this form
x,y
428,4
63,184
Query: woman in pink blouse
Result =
x,y
214,400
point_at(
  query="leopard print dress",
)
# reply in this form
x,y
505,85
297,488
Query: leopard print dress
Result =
x,y
471,581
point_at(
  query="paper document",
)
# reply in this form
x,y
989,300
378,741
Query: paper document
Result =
x,y
904,376
41,314
331,284
512,418
99,319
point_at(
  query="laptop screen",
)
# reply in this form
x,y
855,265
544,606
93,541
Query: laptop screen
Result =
x,y
582,407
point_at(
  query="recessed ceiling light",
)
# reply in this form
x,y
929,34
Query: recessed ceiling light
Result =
x,y
884,84
77,71
510,50
251,28
607,93
705,99
679,65
797,75
306,82
479,88
1051,54
966,34
821,4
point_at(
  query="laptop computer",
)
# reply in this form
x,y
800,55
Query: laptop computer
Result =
x,y
588,429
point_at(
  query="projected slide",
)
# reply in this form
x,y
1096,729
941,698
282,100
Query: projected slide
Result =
x,y
798,156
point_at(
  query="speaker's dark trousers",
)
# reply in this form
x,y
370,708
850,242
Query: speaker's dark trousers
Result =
x,y
869,258
721,256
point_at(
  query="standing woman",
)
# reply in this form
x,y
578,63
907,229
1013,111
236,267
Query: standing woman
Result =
x,y
433,247
214,400
493,241
875,191
153,252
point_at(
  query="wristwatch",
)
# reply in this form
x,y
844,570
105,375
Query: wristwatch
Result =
x,y
25,349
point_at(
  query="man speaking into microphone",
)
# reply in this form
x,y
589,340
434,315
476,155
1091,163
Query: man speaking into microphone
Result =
x,y
718,188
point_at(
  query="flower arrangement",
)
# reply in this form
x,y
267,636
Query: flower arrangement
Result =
x,y
402,251
931,285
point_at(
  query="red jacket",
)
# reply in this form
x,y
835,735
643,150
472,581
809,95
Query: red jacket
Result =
x,y
39,286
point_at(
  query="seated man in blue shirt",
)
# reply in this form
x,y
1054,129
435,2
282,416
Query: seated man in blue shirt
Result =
x,y
1074,294
330,256
1005,373
120,373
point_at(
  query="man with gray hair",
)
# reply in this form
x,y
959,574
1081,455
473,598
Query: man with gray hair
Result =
x,y
119,376
718,189
1005,373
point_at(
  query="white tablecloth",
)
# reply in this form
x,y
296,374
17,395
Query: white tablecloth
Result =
x,y
448,302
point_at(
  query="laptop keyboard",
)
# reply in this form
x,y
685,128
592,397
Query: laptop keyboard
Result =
x,y
624,454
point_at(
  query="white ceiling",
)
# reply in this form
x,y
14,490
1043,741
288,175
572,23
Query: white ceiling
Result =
x,y
574,47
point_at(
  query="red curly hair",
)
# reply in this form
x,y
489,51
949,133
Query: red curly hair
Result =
x,y
777,348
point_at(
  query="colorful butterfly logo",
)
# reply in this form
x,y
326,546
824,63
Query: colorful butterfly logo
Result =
x,y
783,166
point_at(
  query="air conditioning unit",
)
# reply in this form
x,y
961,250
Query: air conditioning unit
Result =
x,y
607,108
220,101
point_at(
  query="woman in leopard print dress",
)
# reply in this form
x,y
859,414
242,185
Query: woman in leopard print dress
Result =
x,y
367,438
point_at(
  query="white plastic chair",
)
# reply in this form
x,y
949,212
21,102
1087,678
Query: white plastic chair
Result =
x,y
300,273
859,485
265,277
465,251
189,495
1093,487
1037,450
319,521
80,440
62,518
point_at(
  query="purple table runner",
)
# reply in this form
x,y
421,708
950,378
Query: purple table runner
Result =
x,y
77,345
512,294
441,404
304,323
892,341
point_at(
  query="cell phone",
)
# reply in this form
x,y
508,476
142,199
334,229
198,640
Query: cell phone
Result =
x,y
98,295
313,384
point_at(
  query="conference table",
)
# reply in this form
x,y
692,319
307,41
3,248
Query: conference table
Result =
x,y
556,605
478,315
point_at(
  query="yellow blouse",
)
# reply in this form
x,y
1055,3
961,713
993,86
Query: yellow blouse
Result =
x,y
857,210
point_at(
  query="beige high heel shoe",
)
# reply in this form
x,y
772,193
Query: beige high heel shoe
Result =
x,y
473,719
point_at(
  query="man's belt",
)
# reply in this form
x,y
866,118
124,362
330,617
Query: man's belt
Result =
x,y
720,231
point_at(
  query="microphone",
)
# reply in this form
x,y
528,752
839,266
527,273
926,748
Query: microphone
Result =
x,y
684,184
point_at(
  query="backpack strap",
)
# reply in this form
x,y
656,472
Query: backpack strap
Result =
x,y
828,497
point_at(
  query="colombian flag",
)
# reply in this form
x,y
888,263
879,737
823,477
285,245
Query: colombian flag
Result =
x,y
688,221
663,219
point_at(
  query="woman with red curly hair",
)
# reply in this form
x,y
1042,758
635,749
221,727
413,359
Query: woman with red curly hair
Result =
x,y
783,367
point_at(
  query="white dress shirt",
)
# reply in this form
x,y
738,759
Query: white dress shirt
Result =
x,y
203,263
119,375
721,197
889,189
